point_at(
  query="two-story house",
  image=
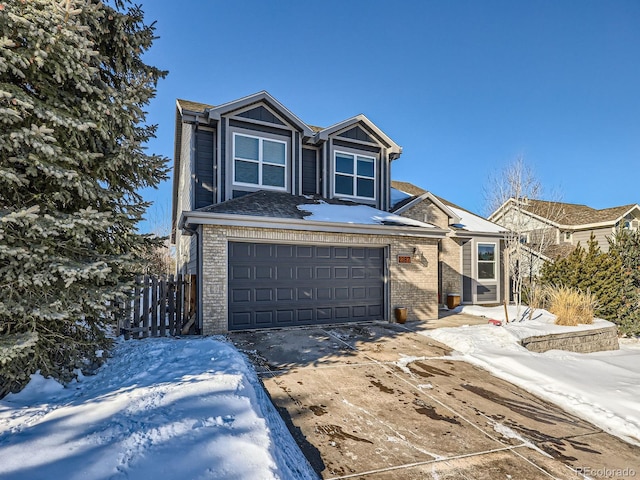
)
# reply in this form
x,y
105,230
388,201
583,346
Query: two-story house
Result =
x,y
288,224
555,228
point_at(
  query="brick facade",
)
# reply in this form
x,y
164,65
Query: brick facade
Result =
x,y
413,285
450,248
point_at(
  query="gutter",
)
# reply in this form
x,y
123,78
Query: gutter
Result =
x,y
188,219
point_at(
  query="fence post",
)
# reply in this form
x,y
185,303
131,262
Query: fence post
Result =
x,y
171,296
179,303
162,306
136,306
153,309
145,306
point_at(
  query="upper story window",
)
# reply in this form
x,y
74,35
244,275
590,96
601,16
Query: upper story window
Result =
x,y
259,161
487,261
355,175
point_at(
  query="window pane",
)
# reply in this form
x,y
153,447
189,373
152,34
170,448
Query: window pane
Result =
x,y
246,147
273,176
486,271
486,252
246,172
344,185
365,167
273,152
365,188
344,163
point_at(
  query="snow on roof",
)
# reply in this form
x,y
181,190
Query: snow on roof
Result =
x,y
359,214
398,196
474,223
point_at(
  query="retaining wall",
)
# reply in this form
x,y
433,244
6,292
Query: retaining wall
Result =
x,y
582,341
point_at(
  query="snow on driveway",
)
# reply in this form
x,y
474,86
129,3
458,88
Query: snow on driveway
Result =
x,y
601,387
159,409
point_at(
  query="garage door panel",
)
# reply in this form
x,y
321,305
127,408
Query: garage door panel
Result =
x,y
284,273
285,317
264,318
284,251
264,250
274,285
284,294
304,252
241,319
304,293
323,294
241,295
240,272
323,273
359,311
341,293
304,273
264,294
241,250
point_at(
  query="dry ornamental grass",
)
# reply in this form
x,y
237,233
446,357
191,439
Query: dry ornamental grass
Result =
x,y
570,305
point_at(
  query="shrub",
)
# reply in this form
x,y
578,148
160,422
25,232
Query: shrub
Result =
x,y
590,270
570,305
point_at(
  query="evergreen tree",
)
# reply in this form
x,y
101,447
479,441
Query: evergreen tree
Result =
x,y
73,88
626,245
594,271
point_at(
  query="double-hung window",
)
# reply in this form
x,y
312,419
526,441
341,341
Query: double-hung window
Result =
x,y
487,261
355,175
259,162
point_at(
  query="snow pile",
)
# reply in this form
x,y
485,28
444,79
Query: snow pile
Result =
x,y
160,408
601,387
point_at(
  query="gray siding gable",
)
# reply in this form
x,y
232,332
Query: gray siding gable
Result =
x,y
261,114
357,133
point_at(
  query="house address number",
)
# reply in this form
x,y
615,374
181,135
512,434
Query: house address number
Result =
x,y
404,259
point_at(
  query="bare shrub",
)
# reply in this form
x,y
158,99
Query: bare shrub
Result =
x,y
570,305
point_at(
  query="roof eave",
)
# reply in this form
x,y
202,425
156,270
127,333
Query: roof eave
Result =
x,y
188,219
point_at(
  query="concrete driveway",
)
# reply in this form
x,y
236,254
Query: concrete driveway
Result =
x,y
380,401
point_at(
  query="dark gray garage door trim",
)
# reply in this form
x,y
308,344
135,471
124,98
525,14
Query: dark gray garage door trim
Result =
x,y
274,285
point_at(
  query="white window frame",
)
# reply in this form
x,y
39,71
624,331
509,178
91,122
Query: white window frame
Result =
x,y
260,163
494,261
354,175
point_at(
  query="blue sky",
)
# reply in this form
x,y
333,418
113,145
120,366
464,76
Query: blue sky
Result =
x,y
465,87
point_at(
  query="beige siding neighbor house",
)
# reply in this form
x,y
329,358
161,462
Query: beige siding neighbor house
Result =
x,y
564,225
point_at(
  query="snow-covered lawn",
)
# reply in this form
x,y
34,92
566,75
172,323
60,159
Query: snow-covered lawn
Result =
x,y
158,409
601,387
193,408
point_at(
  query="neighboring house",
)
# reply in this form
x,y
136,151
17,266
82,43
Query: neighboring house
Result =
x,y
564,225
470,257
288,224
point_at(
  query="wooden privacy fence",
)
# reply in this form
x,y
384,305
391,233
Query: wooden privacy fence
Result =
x,y
160,306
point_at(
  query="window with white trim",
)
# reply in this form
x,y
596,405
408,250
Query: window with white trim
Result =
x,y
487,261
259,161
355,175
